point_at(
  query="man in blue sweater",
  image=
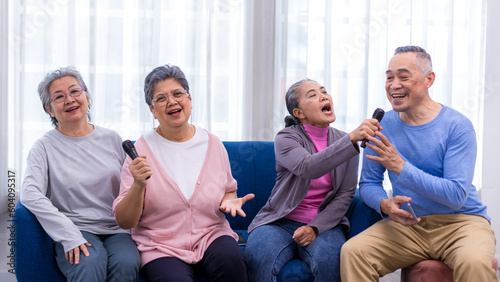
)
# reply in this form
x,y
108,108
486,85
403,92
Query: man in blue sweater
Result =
x,y
429,151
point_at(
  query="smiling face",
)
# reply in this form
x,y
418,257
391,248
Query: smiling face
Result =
x,y
406,83
173,114
73,109
315,105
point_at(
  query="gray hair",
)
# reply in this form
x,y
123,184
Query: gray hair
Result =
x,y
43,88
423,57
292,98
160,74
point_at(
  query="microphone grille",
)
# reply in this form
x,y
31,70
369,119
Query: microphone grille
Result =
x,y
127,144
378,114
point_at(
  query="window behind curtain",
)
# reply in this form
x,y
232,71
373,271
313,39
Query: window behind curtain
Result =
x,y
115,44
346,45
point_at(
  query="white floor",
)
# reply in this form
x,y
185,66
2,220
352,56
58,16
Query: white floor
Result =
x,y
396,277
391,277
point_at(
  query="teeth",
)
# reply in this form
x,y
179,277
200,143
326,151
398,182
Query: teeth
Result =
x,y
174,111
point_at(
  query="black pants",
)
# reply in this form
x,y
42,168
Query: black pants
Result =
x,y
223,261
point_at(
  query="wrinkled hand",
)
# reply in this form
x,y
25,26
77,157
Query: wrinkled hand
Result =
x,y
74,255
388,156
367,128
304,235
140,170
233,206
392,207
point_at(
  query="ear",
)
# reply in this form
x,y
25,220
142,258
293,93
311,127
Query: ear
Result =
x,y
49,110
152,110
429,79
298,113
190,100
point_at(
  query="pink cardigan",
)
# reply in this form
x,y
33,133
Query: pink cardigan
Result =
x,y
171,226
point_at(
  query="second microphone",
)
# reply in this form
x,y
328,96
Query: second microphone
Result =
x,y
377,114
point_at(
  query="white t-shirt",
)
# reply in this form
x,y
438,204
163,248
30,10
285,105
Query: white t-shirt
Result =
x,y
182,161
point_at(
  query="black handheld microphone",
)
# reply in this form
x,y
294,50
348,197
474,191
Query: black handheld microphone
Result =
x,y
129,148
378,114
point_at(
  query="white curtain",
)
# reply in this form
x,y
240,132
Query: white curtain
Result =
x,y
115,44
346,45
239,56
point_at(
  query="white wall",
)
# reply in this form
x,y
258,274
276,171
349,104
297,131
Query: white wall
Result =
x,y
490,193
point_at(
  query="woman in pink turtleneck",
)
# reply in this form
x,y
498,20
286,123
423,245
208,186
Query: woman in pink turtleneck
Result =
x,y
317,169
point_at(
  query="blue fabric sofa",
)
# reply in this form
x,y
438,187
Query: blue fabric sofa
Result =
x,y
252,165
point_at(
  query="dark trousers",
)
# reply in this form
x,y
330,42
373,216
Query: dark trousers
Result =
x,y
223,261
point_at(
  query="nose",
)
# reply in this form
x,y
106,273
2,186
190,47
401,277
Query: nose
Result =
x,y
170,97
395,84
69,99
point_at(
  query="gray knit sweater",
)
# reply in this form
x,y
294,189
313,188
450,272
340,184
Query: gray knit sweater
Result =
x,y
297,163
71,182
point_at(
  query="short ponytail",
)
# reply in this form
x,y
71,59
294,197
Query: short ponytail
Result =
x,y
292,98
291,120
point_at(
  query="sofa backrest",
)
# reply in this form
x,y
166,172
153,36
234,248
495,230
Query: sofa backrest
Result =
x,y
254,167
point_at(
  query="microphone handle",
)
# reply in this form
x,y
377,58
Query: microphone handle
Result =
x,y
132,153
378,114
363,143
129,148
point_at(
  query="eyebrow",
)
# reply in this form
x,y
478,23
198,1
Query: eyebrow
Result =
x,y
165,93
59,91
399,70
311,90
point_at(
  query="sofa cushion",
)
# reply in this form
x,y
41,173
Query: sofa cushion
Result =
x,y
253,167
360,216
296,270
34,245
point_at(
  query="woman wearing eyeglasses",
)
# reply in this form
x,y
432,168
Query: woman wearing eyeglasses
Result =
x,y
72,178
176,216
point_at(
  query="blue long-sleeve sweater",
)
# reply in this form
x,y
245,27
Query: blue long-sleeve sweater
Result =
x,y
440,158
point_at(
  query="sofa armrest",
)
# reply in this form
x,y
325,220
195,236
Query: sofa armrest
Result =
x,y
35,259
360,216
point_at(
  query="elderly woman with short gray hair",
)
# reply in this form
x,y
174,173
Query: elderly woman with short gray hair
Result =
x,y
173,196
72,178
